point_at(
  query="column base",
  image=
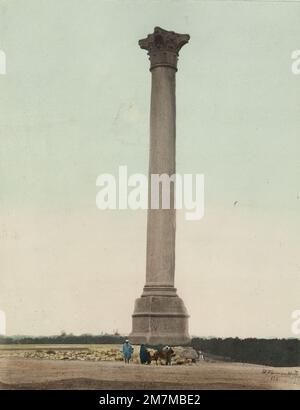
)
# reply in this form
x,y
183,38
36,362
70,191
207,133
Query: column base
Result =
x,y
160,318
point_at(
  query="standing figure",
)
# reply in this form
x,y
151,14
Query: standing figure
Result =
x,y
127,351
144,355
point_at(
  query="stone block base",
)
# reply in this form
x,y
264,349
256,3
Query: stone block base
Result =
x,y
160,319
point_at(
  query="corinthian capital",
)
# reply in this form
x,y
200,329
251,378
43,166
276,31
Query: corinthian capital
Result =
x,y
163,47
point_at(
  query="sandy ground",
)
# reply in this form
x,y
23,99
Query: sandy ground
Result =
x,y
20,373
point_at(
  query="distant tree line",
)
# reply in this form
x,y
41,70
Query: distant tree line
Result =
x,y
270,352
64,339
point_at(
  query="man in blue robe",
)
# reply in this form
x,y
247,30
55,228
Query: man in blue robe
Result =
x,y
127,351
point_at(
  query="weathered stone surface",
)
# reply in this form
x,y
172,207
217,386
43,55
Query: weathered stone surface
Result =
x,y
163,47
160,316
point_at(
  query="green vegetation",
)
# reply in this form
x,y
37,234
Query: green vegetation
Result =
x,y
63,338
270,352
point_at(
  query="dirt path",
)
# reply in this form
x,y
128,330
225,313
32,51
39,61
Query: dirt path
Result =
x,y
19,373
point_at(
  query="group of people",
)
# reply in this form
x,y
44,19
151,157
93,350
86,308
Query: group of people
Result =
x,y
165,353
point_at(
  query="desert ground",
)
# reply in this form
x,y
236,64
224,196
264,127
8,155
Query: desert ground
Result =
x,y
100,367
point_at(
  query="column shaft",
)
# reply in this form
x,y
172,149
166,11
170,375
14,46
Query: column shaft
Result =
x,y
162,222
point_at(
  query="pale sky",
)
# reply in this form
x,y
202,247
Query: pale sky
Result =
x,y
75,104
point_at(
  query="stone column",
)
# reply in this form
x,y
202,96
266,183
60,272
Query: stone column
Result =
x,y
160,315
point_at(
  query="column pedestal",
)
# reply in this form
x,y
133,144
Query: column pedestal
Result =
x,y
160,319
